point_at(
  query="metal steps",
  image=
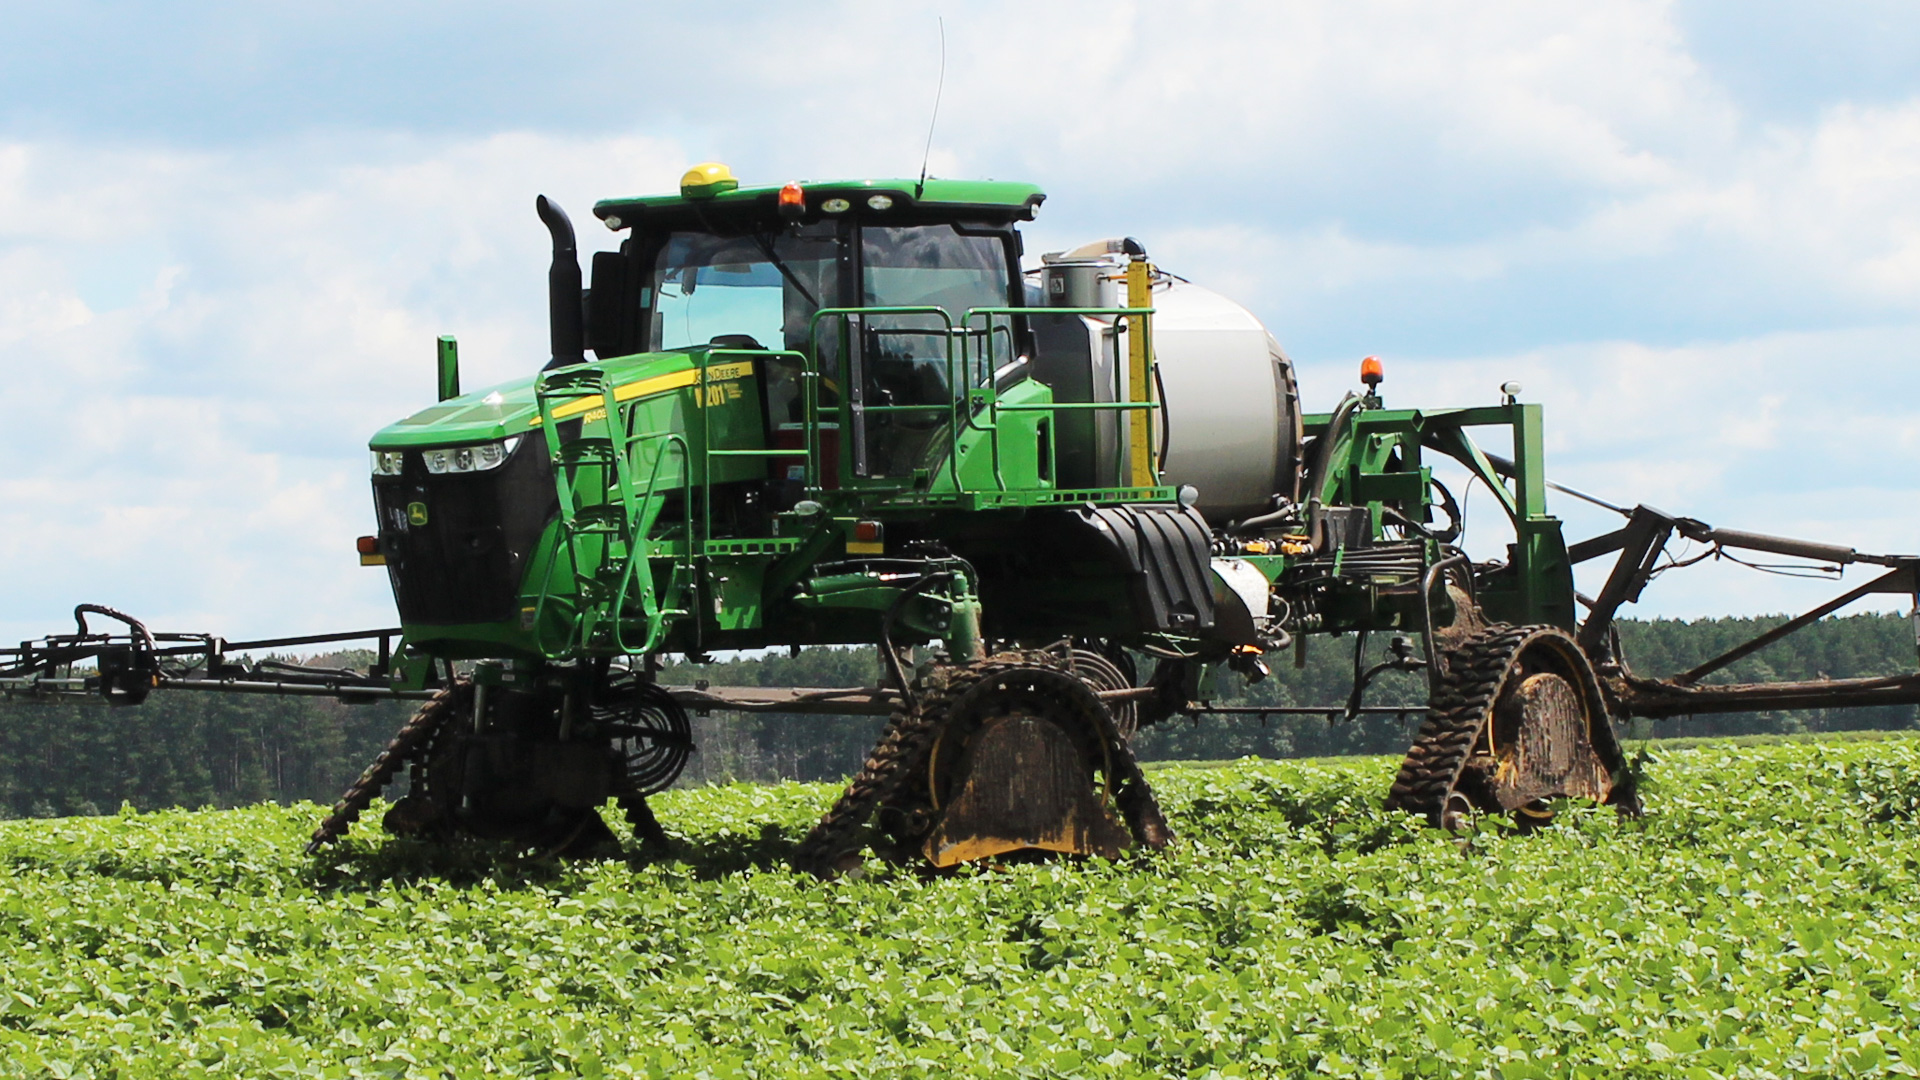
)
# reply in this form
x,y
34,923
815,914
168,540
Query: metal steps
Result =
x,y
609,517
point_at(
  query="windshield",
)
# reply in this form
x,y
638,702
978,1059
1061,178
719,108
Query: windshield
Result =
x,y
748,291
906,370
937,266
760,290
761,287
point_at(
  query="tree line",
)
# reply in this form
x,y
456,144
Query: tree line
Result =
x,y
208,749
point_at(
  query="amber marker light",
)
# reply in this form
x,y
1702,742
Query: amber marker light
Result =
x,y
1372,372
793,200
369,547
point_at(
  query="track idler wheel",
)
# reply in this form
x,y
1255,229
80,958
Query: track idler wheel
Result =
x,y
1517,719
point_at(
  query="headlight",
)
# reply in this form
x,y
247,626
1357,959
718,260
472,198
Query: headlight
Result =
x,y
387,462
461,459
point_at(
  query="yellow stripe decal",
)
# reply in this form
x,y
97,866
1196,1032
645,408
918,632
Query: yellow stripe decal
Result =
x,y
656,385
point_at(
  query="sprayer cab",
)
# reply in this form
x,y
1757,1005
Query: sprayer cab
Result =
x,y
782,270
771,258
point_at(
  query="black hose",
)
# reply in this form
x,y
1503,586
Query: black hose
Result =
x,y
1253,524
1322,461
1166,422
134,626
1456,525
1361,676
1427,582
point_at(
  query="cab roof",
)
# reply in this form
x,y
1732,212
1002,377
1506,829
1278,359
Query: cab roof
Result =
x,y
992,198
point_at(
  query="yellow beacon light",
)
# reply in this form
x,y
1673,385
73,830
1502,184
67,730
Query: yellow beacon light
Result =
x,y
707,179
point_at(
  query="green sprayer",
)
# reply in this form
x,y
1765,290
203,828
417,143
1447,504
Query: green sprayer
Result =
x,y
1054,499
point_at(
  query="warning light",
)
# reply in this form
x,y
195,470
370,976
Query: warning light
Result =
x,y
369,548
866,538
1372,372
793,200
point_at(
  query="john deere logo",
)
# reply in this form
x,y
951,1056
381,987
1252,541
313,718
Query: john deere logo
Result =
x,y
417,513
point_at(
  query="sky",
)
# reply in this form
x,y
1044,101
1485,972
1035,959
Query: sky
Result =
x,y
229,234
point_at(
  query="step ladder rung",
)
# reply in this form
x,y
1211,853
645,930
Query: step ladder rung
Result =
x,y
609,512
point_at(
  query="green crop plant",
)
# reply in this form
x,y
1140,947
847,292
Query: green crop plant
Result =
x,y
1757,922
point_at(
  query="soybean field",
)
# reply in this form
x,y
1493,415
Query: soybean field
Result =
x,y
1758,921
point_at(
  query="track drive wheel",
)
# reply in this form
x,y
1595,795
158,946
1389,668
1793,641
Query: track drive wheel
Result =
x,y
1517,719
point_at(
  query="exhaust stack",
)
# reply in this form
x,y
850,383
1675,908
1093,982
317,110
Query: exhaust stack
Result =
x,y
567,326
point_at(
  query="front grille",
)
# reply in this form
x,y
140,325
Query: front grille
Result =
x,y
464,564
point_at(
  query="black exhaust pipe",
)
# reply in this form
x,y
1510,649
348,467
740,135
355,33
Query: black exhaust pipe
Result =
x,y
564,319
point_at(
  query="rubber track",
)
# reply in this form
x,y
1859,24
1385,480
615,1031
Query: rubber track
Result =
x,y
1462,701
907,738
412,739
1136,800
904,744
646,828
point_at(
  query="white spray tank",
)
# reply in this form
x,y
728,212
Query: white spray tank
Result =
x,y
1230,407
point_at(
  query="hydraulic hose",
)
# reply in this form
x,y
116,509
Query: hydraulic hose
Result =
x,y
1323,461
1253,524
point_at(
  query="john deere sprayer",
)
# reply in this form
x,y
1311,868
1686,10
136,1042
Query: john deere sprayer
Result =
x,y
841,413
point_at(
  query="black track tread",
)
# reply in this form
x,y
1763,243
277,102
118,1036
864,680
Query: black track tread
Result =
x,y
1462,702
410,741
1136,800
646,827
904,744
905,741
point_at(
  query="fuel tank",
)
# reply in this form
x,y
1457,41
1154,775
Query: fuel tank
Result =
x,y
1230,425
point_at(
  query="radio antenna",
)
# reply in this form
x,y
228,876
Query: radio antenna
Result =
x,y
938,88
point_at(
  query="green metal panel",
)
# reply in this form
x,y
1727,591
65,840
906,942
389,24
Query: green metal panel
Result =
x,y
1405,488
508,409
1008,196
1529,459
448,356
999,450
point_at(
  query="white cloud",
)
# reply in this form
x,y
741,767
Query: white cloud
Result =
x,y
199,453
1717,311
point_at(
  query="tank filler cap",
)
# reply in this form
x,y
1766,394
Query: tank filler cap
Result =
x,y
707,179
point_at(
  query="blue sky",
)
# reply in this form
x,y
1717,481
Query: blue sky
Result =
x,y
230,233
